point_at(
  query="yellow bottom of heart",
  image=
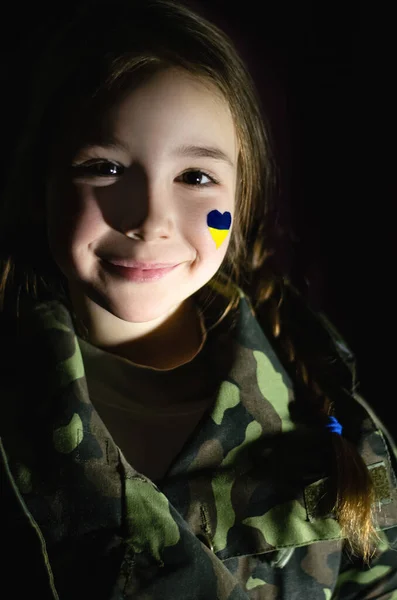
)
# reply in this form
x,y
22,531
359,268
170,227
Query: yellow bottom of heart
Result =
x,y
218,235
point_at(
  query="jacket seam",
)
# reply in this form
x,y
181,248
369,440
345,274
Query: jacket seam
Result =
x,y
32,521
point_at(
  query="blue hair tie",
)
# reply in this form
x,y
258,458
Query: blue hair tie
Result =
x,y
334,426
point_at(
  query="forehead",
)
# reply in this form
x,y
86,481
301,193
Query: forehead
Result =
x,y
176,107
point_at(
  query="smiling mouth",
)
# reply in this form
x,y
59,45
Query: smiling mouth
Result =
x,y
138,275
143,266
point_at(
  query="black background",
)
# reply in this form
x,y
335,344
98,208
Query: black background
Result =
x,y
325,75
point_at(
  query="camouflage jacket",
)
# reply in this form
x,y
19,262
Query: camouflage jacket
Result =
x,y
235,517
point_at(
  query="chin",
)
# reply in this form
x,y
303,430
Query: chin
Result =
x,y
140,312
131,316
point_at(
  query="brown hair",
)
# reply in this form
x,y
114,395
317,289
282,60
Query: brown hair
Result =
x,y
109,53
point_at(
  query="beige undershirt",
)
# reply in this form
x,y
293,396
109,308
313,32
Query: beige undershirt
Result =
x,y
150,413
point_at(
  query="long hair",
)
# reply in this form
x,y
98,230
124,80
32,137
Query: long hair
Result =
x,y
96,58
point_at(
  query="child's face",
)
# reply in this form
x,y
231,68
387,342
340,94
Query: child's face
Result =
x,y
147,190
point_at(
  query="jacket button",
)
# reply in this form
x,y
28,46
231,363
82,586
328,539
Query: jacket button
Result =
x,y
204,538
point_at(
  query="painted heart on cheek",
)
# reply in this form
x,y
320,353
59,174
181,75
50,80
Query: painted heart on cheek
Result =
x,y
219,225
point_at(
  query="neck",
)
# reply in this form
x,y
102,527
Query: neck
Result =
x,y
176,342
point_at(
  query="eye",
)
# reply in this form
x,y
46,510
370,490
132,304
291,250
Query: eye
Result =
x,y
194,178
103,168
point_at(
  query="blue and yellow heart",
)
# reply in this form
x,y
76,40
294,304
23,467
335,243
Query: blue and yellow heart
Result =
x,y
219,225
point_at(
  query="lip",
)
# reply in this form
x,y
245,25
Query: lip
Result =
x,y
138,275
137,264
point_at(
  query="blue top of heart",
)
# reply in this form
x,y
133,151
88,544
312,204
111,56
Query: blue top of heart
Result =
x,y
218,220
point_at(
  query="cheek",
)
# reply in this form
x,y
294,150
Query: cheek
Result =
x,y
209,233
74,219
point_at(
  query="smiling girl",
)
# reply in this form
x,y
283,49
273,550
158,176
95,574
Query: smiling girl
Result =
x,y
176,422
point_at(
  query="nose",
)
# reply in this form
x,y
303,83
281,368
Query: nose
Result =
x,y
156,224
147,209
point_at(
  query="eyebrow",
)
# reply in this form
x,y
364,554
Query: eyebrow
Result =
x,y
183,150
202,152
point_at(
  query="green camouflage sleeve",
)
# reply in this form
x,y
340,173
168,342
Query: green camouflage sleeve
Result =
x,y
378,581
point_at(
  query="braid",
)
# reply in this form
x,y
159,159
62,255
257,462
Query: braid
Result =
x,y
352,492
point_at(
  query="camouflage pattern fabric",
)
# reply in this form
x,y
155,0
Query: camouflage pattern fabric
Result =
x,y
234,518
